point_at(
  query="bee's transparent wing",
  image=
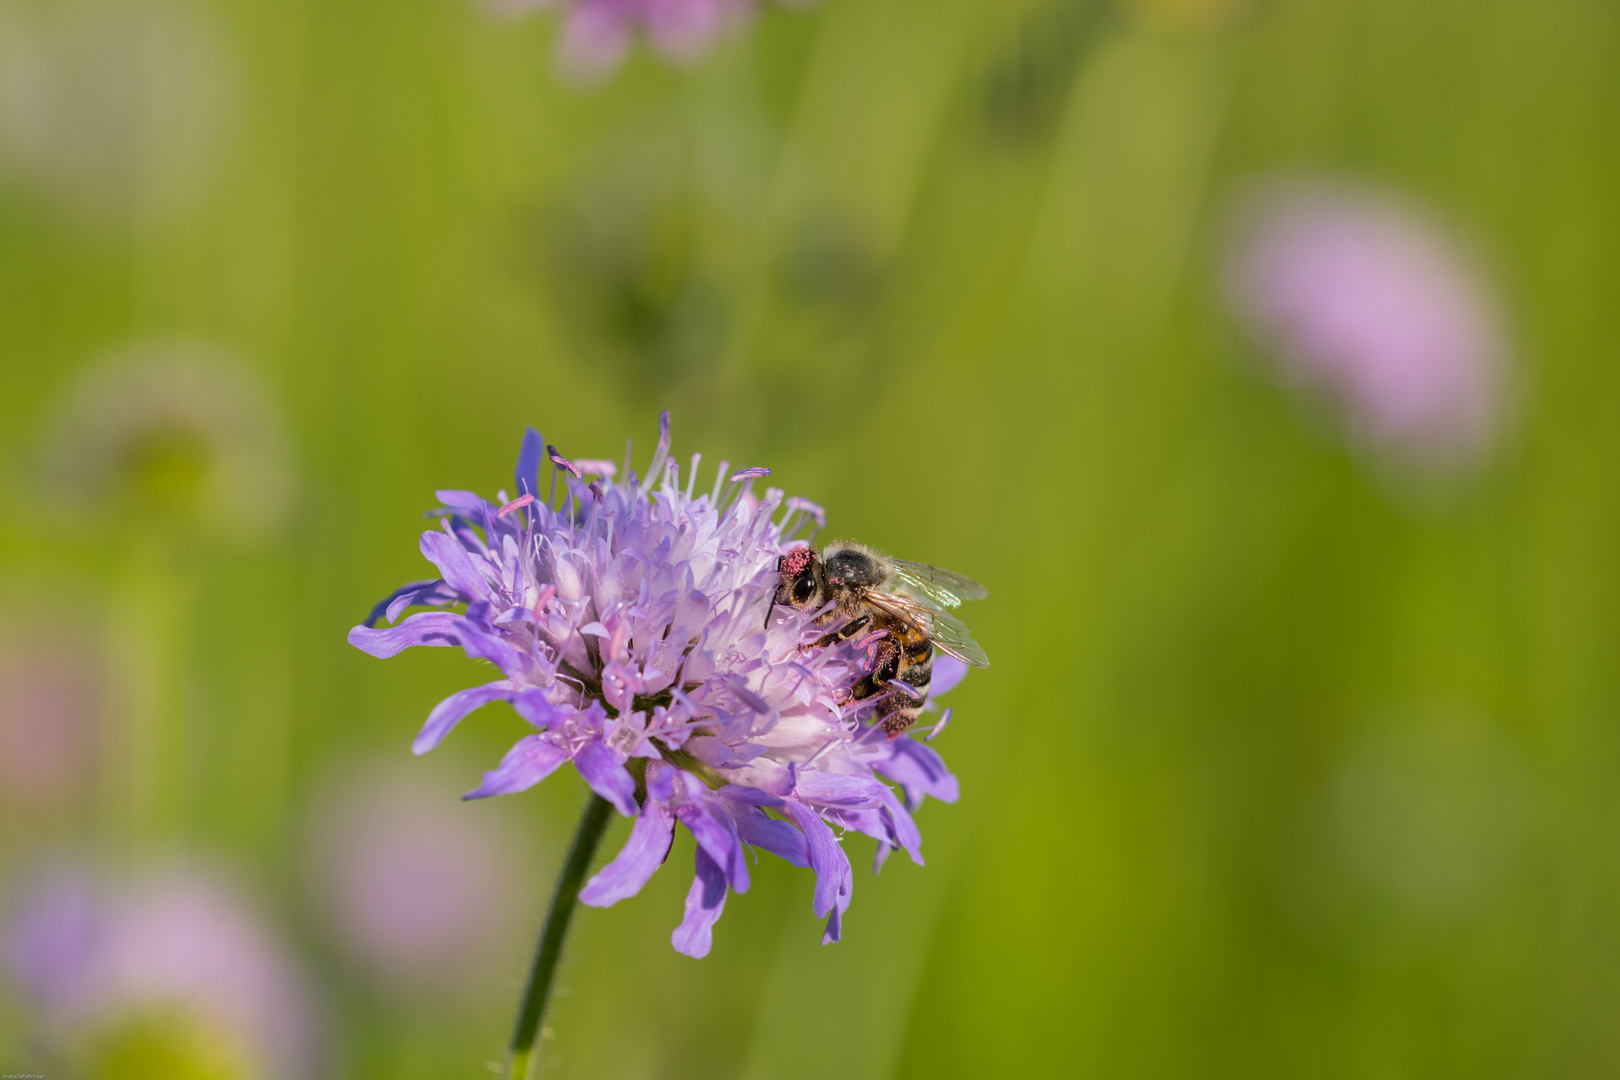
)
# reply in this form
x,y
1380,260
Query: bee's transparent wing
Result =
x,y
947,632
946,586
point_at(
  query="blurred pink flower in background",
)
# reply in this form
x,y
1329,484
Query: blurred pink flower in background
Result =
x,y
175,966
48,705
414,886
1365,301
597,33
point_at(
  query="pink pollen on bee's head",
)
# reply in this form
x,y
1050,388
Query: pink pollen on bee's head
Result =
x,y
795,562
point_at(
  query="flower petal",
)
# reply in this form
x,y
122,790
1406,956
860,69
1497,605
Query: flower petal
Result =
x,y
448,713
920,771
531,759
607,776
641,855
532,706
457,566
834,880
527,476
838,789
948,671
423,628
903,832
485,644
705,900
716,833
775,836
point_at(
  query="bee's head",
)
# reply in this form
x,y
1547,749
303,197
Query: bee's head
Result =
x,y
800,581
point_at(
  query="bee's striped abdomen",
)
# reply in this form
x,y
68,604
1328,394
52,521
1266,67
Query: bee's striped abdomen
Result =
x,y
905,656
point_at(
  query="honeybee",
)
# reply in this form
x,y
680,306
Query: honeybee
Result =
x,y
870,592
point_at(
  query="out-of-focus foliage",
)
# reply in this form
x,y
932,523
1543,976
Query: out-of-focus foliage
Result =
x,y
1297,758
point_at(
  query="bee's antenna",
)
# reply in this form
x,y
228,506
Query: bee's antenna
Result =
x,y
769,610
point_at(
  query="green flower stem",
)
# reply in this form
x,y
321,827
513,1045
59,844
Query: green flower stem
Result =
x,y
592,824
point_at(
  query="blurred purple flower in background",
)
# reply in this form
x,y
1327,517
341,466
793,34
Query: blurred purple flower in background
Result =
x,y
628,621
1367,302
174,968
415,890
597,33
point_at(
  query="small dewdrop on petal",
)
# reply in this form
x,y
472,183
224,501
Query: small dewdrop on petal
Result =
x,y
627,620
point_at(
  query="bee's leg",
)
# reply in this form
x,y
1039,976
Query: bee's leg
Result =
x,y
843,633
884,667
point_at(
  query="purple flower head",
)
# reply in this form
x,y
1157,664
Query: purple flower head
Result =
x,y
627,618
175,945
1369,304
598,33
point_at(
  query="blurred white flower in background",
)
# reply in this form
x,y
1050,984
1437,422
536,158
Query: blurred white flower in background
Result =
x,y
173,975
180,432
114,108
1366,302
414,888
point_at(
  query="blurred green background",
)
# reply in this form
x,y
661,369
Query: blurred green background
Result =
x,y
1285,767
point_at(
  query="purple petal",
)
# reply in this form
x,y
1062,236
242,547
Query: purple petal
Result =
x,y
775,836
903,831
716,833
531,759
435,594
607,776
527,477
834,879
881,856
838,788
920,771
448,713
705,900
452,499
383,607
423,628
835,927
751,795
482,644
948,671
641,855
457,566
533,707
750,474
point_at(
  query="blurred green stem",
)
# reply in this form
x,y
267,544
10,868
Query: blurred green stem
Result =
x,y
592,824
151,602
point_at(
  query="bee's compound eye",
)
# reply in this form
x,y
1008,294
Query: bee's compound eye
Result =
x,y
803,589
